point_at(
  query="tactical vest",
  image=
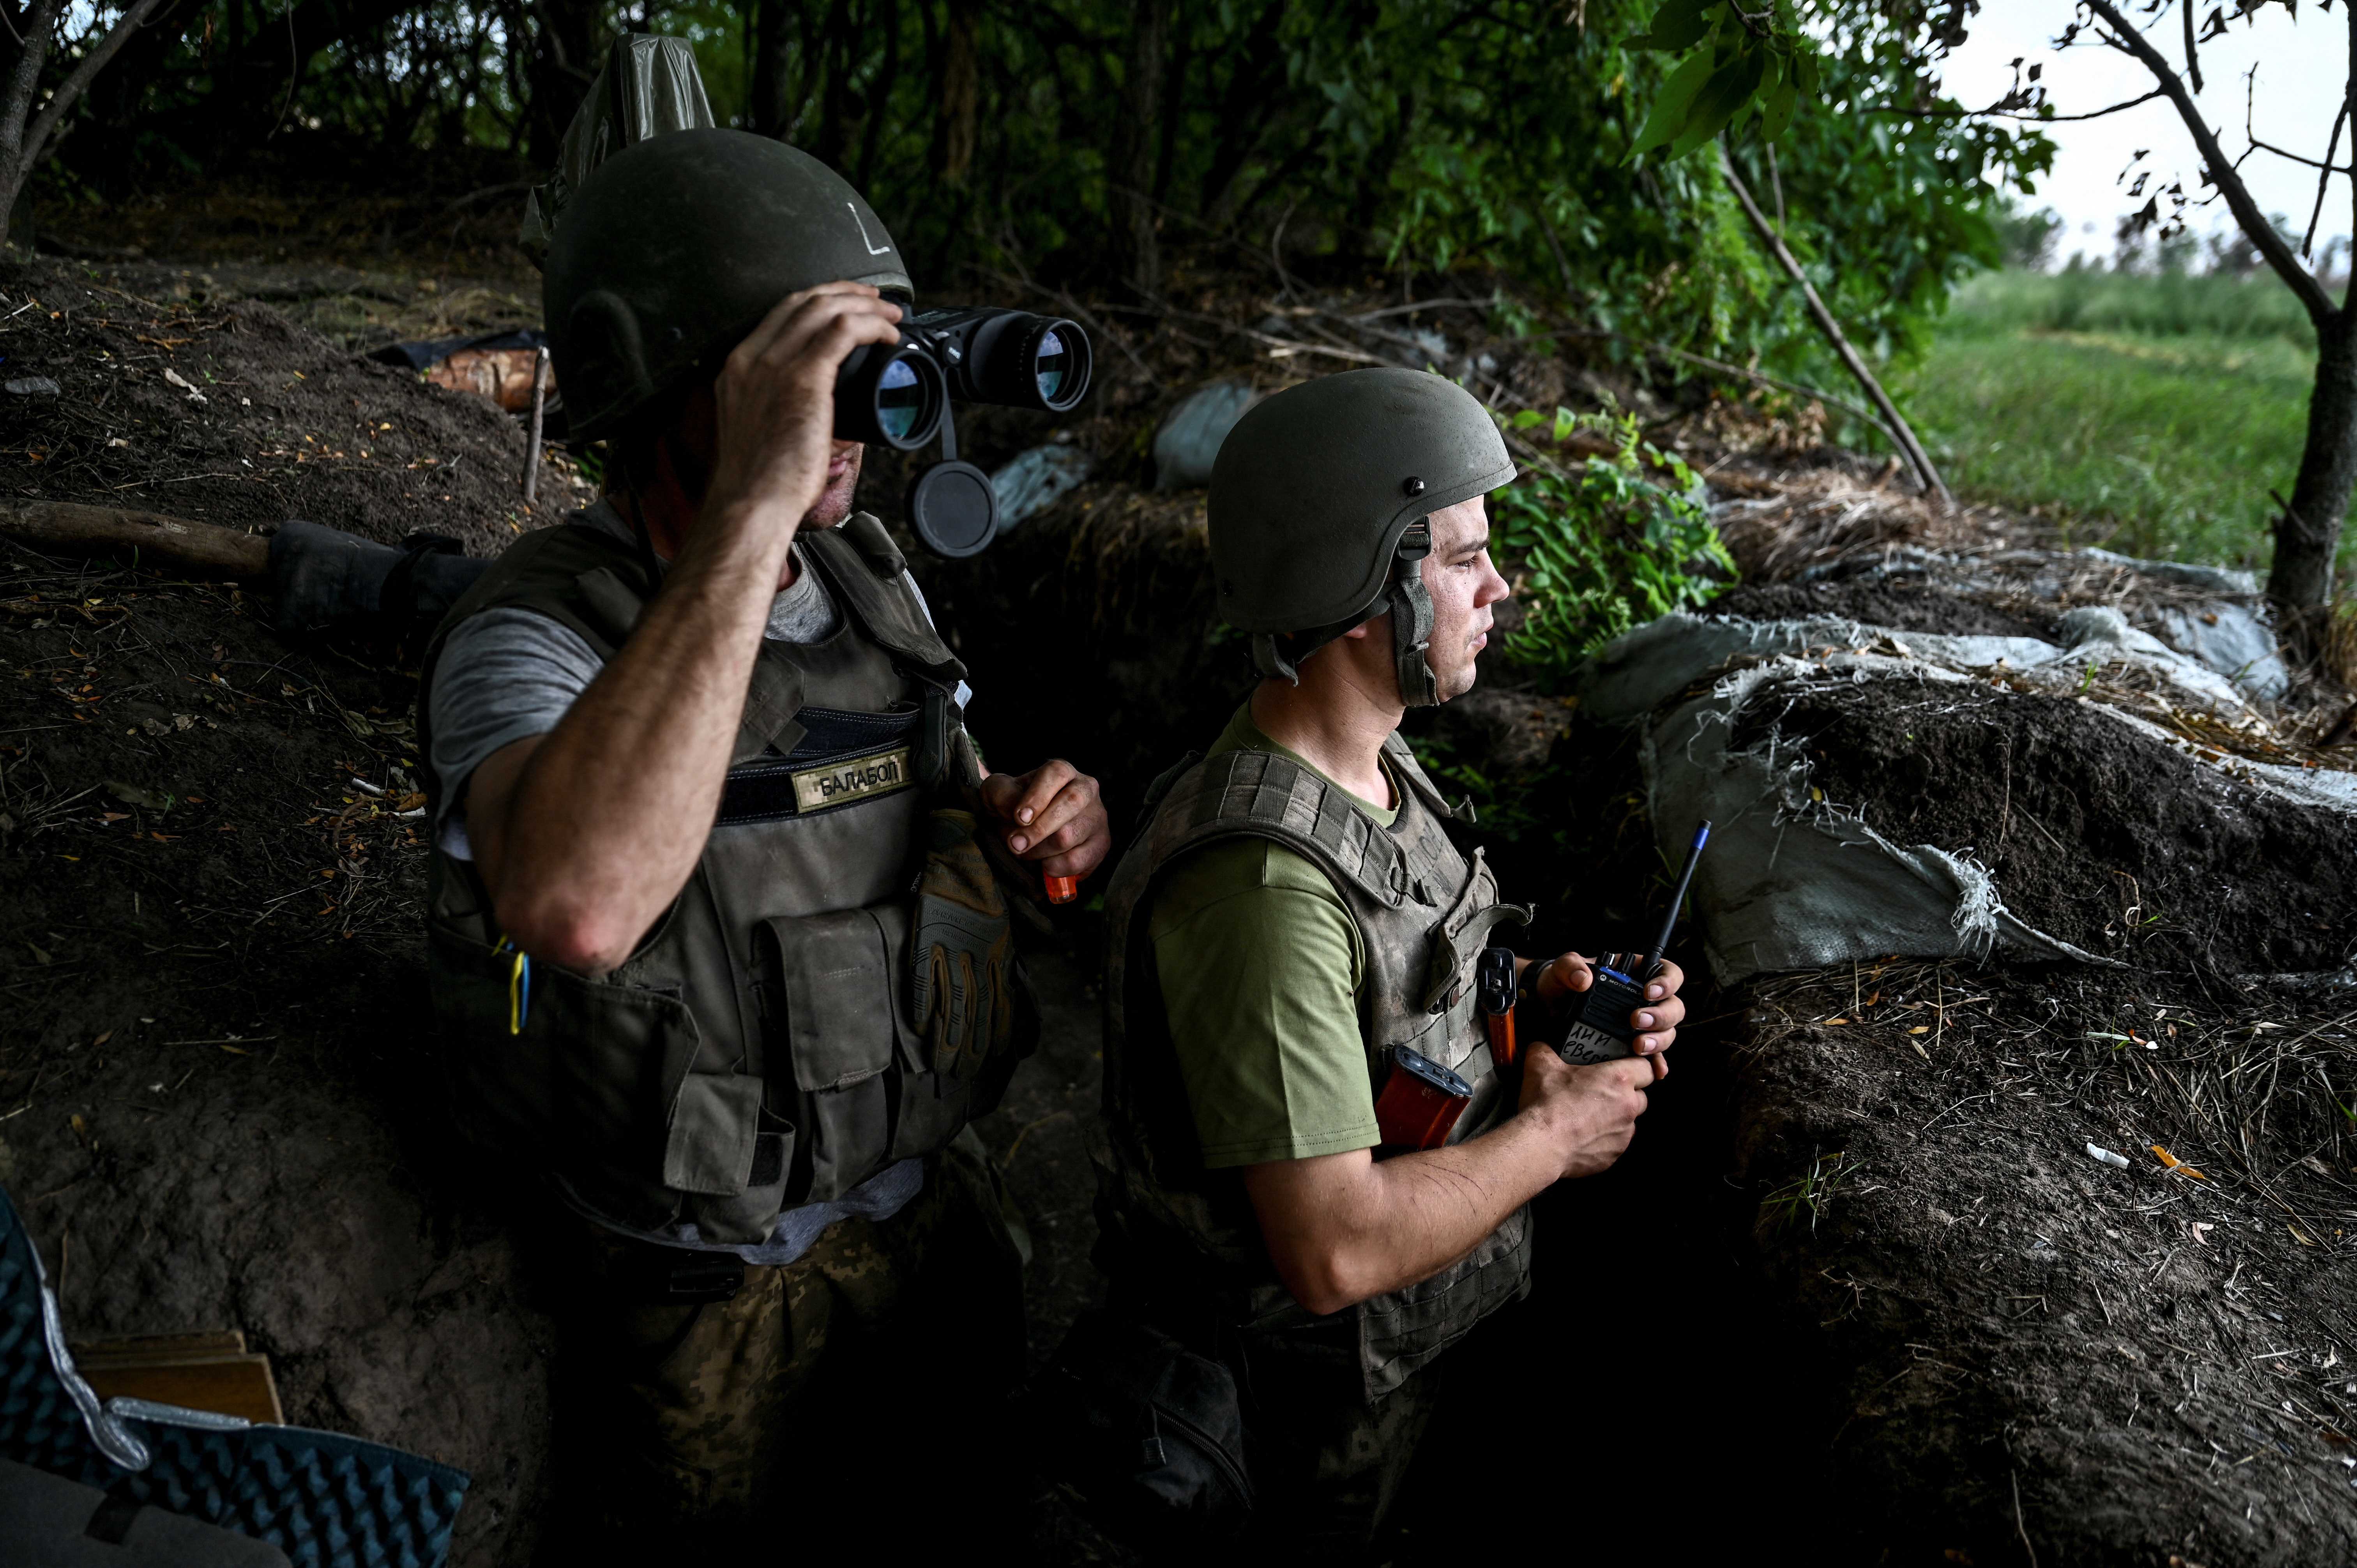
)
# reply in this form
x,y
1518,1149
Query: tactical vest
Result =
x,y
764,1047
1185,1238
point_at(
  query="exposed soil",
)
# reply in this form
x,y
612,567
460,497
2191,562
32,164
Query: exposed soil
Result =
x,y
2022,1344
218,1106
1898,606
275,422
2096,834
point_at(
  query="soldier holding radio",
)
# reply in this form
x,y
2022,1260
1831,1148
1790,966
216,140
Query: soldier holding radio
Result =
x,y
1293,931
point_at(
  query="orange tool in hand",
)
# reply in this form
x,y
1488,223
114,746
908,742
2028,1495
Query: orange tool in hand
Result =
x,y
1062,889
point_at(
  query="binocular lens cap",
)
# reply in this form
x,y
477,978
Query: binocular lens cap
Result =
x,y
953,510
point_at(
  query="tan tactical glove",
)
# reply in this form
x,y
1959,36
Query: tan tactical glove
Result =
x,y
965,950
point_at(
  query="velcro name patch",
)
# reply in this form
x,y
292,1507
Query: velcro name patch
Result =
x,y
836,784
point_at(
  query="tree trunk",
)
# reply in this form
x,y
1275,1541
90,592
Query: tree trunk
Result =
x,y
1137,245
2301,583
879,98
25,136
562,62
2308,534
840,108
960,99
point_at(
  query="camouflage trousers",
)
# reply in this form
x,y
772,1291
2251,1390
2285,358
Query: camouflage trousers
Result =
x,y
1327,1466
876,1368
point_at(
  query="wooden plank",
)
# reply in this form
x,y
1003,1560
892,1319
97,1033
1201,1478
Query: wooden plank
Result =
x,y
230,1385
66,526
148,1347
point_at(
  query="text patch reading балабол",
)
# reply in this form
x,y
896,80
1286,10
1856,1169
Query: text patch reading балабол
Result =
x,y
818,788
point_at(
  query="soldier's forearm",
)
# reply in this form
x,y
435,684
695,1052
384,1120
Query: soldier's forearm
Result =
x,y
1342,1227
600,822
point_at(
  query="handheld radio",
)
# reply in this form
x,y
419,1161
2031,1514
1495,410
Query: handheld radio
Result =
x,y
1601,1030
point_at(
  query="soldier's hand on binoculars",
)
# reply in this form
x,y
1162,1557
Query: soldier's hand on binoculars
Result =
x,y
775,396
1590,1113
1056,815
1657,1021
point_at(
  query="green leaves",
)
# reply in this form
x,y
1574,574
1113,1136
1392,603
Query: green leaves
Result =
x,y
1608,545
1741,61
1678,25
1676,104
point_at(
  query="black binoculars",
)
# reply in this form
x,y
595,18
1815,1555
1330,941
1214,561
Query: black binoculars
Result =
x,y
898,396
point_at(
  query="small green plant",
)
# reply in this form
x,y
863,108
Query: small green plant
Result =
x,y
1605,546
1507,807
1812,1194
590,461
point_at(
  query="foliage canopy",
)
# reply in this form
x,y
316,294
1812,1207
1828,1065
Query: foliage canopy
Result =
x,y
1398,136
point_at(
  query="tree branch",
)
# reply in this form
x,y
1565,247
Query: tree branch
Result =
x,y
1892,420
2253,223
2008,114
69,91
2329,168
2308,241
2193,55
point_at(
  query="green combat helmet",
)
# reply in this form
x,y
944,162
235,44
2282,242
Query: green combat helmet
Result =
x,y
673,249
1318,508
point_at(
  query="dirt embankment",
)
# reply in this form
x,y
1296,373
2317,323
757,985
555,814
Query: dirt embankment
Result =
x,y
2028,1344
226,413
218,1097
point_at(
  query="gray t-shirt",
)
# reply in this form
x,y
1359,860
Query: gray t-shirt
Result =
x,y
508,674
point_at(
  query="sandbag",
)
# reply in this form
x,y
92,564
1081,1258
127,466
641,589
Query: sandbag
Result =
x,y
325,577
1797,881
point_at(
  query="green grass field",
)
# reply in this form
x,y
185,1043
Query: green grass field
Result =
x,y
2150,414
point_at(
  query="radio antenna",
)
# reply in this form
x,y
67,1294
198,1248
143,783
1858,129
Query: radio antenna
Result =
x,y
1670,920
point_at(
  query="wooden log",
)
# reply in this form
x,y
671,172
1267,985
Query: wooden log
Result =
x,y
66,528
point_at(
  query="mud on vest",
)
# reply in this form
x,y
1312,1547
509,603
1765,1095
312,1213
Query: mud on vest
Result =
x,y
1184,1237
763,1047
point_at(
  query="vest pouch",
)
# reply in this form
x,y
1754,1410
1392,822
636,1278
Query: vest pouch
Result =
x,y
834,985
498,1083
586,1086
619,1057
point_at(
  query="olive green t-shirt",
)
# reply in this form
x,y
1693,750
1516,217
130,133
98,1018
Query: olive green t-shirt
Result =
x,y
1261,965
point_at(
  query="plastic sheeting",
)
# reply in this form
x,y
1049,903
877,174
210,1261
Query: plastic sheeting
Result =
x,y
2230,633
647,86
1189,438
1034,480
1642,669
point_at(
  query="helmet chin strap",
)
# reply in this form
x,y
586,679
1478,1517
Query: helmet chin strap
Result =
x,y
1279,656
1411,607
